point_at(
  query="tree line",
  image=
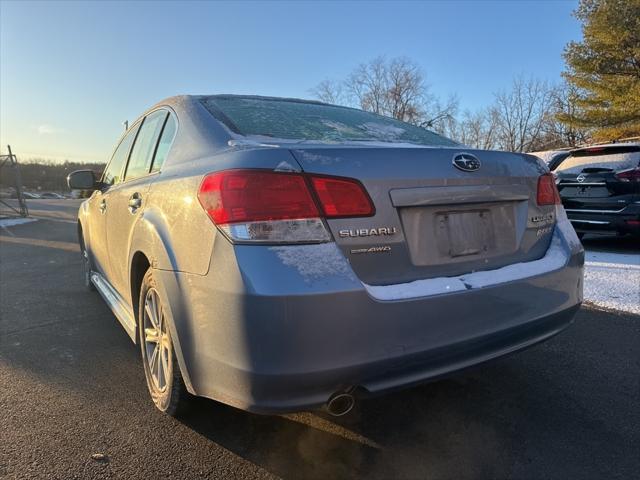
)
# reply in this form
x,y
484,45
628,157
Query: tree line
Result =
x,y
45,175
599,99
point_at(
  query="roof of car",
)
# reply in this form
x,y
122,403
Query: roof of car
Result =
x,y
607,145
180,99
262,97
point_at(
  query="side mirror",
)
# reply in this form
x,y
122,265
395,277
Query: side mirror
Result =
x,y
82,180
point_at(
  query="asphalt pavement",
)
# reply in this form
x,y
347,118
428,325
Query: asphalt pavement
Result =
x,y
73,400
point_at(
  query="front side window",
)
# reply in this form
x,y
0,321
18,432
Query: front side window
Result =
x,y
312,121
142,153
113,173
166,138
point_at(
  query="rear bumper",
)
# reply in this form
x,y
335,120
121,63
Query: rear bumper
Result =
x,y
622,221
286,392
266,336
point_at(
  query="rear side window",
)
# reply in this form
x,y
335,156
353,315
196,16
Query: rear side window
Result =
x,y
142,153
616,158
113,173
305,120
166,138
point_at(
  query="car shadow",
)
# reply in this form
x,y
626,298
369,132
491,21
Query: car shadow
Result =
x,y
382,438
461,427
614,244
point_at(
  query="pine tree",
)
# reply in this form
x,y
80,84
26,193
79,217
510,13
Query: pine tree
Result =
x,y
605,67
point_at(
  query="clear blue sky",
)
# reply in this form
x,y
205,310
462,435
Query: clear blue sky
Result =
x,y
71,72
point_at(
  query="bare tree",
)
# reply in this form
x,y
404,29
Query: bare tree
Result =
x,y
521,113
329,91
564,133
521,119
438,116
368,85
395,88
478,129
405,95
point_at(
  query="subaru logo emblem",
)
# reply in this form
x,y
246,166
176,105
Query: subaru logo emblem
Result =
x,y
466,162
580,178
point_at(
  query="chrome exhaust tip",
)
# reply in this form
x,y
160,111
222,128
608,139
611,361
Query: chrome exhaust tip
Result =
x,y
340,404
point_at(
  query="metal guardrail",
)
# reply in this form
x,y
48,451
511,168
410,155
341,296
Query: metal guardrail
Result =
x,y
10,163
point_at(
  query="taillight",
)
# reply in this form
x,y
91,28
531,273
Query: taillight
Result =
x,y
279,207
631,175
236,196
547,190
342,197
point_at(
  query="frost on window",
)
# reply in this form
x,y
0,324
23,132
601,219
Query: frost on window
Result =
x,y
383,131
311,121
610,158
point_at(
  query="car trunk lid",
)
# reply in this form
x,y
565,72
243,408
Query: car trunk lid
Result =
x,y
433,219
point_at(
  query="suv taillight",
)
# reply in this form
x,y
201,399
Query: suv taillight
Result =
x,y
631,175
547,190
279,207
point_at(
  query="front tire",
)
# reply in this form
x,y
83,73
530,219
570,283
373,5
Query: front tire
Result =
x,y
164,380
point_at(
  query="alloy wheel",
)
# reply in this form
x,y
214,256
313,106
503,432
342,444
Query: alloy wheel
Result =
x,y
157,341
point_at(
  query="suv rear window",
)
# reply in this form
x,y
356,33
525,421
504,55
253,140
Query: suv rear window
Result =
x,y
620,157
312,121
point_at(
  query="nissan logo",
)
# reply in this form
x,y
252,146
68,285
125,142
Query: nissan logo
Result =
x,y
581,178
466,162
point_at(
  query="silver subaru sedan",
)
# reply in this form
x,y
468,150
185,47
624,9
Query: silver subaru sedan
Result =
x,y
280,255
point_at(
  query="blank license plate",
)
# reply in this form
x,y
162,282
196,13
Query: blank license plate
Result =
x,y
468,233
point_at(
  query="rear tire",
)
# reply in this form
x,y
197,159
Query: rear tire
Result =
x,y
161,369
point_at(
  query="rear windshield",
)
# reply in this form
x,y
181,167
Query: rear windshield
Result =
x,y
299,120
612,158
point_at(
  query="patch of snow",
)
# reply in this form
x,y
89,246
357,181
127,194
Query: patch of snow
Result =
x,y
389,144
253,141
309,157
382,131
555,258
315,261
418,288
341,128
612,280
608,259
612,161
250,143
285,166
10,222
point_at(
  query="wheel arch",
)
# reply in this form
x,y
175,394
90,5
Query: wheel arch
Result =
x,y
80,232
84,241
141,262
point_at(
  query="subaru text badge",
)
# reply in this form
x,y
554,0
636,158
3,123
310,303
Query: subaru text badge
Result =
x,y
466,162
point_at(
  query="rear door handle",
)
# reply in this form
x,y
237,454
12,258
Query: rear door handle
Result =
x,y
103,206
135,202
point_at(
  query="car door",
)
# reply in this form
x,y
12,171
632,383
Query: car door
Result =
x,y
100,200
128,198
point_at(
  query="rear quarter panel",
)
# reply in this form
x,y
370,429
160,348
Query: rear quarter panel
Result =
x,y
175,229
